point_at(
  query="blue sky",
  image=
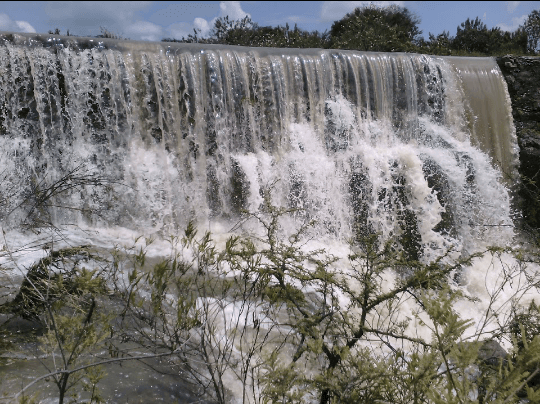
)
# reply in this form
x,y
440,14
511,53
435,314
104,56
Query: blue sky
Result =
x,y
154,20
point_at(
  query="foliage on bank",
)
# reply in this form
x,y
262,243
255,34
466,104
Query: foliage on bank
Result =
x,y
379,29
371,28
283,323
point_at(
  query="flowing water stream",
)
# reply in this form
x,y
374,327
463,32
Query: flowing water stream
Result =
x,y
417,147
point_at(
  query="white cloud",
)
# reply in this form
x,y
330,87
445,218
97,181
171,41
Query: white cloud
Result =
x,y
86,17
512,5
124,18
7,24
145,30
516,22
296,18
232,9
179,30
335,10
203,25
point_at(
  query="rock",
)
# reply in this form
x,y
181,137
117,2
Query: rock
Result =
x,y
522,75
42,284
492,353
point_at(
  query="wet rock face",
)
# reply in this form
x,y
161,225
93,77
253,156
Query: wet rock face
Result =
x,y
522,75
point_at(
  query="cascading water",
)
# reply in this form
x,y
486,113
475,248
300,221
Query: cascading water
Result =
x,y
418,148
402,144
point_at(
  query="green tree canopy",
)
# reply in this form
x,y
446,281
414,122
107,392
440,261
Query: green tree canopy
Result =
x,y
376,29
245,32
472,36
223,27
532,29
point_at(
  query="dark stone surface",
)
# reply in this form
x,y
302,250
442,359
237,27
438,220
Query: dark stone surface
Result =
x,y
522,74
491,353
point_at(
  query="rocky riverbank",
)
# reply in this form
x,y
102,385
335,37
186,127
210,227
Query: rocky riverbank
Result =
x,y
522,75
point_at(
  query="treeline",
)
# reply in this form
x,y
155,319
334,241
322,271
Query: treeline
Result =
x,y
380,29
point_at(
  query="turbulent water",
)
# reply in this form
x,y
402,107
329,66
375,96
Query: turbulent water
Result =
x,y
141,138
401,144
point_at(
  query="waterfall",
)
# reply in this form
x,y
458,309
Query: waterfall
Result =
x,y
405,145
107,140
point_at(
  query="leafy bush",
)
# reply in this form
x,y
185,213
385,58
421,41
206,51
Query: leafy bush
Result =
x,y
286,323
381,29
389,29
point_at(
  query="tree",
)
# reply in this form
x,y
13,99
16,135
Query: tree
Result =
x,y
504,42
105,33
532,29
74,308
472,36
225,27
379,29
346,327
440,44
245,32
275,37
62,296
288,323
30,204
